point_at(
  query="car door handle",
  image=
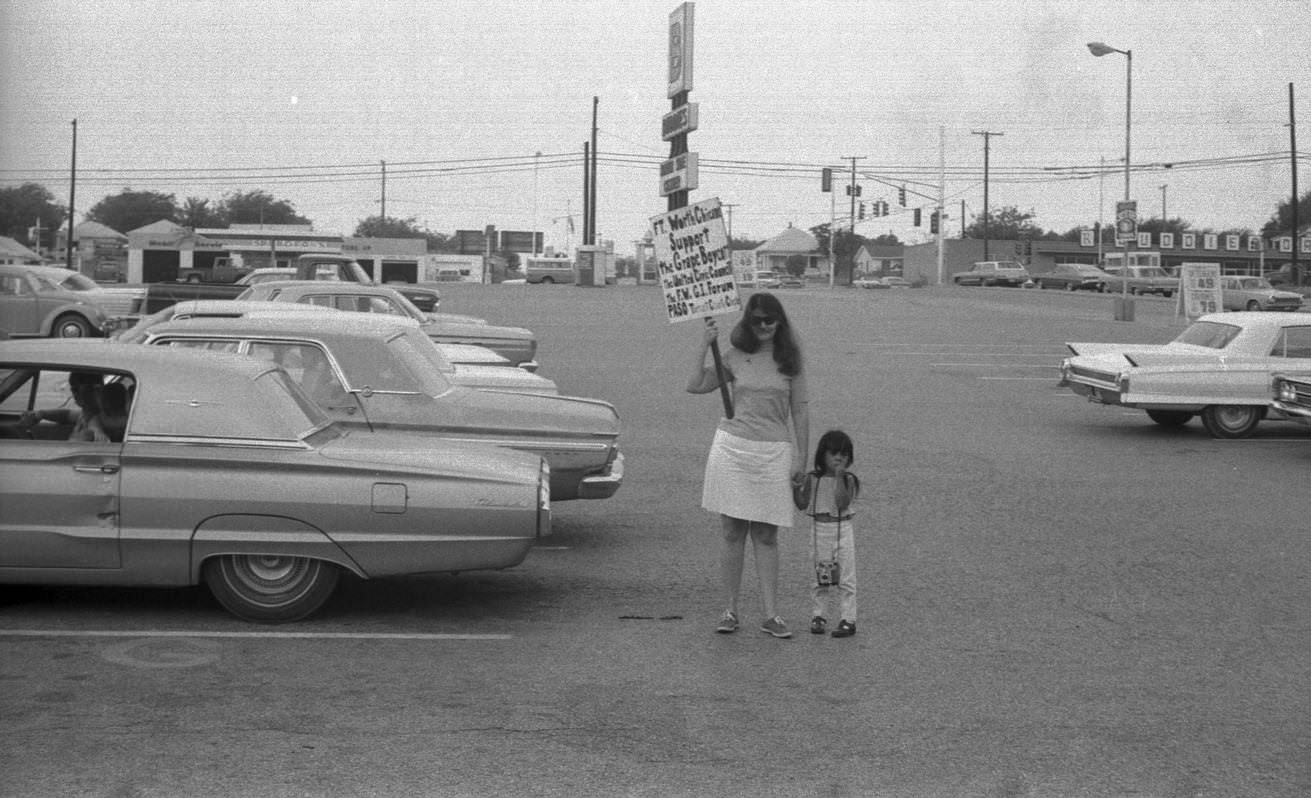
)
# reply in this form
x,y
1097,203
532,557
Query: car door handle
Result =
x,y
96,469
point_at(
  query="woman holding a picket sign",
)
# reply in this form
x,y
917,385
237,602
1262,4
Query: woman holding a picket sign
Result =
x,y
758,451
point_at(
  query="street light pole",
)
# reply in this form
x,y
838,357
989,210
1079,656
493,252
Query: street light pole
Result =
x,y
1100,49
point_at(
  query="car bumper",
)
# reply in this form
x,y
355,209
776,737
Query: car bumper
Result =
x,y
603,486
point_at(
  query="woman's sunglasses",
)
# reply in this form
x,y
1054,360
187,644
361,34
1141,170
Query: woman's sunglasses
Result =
x,y
763,321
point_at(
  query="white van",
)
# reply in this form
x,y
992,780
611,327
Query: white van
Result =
x,y
548,270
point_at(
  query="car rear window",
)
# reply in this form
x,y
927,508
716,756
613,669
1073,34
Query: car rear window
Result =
x,y
1210,334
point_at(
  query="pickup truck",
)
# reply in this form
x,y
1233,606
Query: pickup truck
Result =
x,y
332,267
993,272
1141,280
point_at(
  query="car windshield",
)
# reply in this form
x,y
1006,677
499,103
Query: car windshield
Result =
x,y
1254,283
78,282
420,360
1210,334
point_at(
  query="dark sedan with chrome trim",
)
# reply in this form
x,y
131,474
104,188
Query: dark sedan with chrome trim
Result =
x,y
226,473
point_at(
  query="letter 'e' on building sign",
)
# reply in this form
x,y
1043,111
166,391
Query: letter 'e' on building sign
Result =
x,y
680,49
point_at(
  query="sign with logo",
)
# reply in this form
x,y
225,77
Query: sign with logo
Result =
x,y
678,174
1200,289
680,49
1086,238
1126,222
679,121
694,261
1167,240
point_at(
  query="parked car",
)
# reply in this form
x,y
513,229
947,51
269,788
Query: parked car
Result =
x,y
230,476
791,281
381,374
993,272
514,343
1255,293
767,279
1073,277
869,281
34,302
1219,368
470,366
892,281
1141,280
1291,395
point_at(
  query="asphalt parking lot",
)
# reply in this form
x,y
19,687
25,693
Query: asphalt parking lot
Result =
x,y
1058,599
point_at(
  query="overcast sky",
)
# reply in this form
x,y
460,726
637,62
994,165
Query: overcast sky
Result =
x,y
305,99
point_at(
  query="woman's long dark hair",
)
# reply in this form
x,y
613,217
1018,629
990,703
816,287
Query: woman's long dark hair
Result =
x,y
787,350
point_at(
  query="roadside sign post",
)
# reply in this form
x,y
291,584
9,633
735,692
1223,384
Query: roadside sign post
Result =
x,y
1126,232
691,247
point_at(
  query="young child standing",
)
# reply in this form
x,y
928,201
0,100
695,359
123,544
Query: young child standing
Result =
x,y
826,494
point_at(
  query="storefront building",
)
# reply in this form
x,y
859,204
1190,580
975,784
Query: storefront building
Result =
x,y
168,251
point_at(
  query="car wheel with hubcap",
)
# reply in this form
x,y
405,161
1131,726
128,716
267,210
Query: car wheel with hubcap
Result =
x,y
70,325
1232,421
270,588
1170,418
1252,304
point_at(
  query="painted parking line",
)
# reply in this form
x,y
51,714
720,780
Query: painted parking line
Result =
x,y
266,635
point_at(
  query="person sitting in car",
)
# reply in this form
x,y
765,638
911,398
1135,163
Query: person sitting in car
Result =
x,y
84,418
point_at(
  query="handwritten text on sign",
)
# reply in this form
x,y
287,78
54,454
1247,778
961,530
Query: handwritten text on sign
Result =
x,y
1201,288
694,261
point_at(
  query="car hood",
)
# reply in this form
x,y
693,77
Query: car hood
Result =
x,y
397,454
501,378
520,415
475,331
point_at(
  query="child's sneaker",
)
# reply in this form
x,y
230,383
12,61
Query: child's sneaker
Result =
x,y
818,625
776,627
727,624
845,629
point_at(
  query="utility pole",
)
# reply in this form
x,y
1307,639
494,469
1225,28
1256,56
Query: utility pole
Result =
x,y
592,224
1164,186
1293,271
72,188
729,206
384,192
832,264
987,137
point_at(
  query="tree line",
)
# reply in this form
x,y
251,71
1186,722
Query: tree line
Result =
x,y
32,204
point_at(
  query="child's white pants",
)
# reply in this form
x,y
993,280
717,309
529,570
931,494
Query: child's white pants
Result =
x,y
827,540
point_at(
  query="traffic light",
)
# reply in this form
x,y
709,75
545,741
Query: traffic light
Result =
x,y
826,179
933,222
862,211
917,217
901,196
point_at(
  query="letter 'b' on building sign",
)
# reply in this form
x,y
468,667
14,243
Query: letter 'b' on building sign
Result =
x,y
680,49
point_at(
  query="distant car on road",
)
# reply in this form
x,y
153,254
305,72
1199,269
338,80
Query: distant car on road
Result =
x,y
767,279
1256,293
1219,368
1141,280
1073,277
892,281
791,281
993,272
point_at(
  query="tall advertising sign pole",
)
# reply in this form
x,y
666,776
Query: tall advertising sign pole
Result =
x,y
694,257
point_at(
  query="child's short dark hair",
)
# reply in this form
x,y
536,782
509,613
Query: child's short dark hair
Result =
x,y
837,442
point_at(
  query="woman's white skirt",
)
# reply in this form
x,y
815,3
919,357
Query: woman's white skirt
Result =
x,y
751,480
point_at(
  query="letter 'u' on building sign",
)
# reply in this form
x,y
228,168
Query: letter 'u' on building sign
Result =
x,y
695,262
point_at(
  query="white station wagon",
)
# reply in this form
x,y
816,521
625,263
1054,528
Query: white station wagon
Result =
x,y
1219,368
